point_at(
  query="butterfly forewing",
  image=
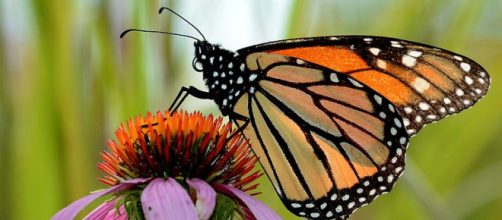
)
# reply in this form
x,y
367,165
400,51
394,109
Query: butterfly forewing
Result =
x,y
328,143
423,82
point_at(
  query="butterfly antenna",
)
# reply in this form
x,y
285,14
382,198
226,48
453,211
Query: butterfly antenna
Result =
x,y
166,8
158,32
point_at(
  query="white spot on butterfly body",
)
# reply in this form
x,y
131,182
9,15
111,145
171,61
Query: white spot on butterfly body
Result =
x,y
302,213
420,84
350,205
240,80
230,65
310,205
362,199
359,190
242,67
368,39
375,51
465,66
215,74
329,214
480,80
223,86
467,102
314,214
334,38
211,60
409,61
300,62
251,90
482,74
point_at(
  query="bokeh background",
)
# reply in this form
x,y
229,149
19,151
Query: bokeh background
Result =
x,y
67,81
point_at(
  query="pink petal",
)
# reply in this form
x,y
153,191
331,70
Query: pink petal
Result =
x,y
101,211
257,208
114,215
73,209
206,198
167,199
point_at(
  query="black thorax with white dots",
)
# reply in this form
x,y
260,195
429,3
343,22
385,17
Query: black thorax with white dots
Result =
x,y
224,72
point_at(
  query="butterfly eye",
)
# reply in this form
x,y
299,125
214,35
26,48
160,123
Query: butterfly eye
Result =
x,y
197,65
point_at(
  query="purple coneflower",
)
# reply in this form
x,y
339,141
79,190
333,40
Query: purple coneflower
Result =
x,y
179,166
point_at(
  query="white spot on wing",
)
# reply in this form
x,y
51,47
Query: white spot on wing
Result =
x,y
415,53
374,51
381,64
420,84
408,61
334,78
355,83
378,99
465,66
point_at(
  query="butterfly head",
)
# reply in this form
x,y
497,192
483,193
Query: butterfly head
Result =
x,y
223,72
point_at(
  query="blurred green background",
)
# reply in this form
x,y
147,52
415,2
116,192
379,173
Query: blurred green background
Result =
x,y
67,81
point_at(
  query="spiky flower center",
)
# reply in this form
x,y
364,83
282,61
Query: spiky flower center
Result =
x,y
182,146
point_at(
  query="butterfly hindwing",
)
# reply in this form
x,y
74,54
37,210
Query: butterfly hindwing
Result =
x,y
328,143
424,83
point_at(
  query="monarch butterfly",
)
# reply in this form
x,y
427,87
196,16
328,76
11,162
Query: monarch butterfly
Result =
x,y
330,117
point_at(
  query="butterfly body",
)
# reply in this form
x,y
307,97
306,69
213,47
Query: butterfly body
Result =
x,y
330,117
224,72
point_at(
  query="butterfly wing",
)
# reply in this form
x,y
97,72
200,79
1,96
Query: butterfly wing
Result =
x,y
328,143
423,82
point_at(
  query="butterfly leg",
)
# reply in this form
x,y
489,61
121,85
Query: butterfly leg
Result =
x,y
184,92
234,116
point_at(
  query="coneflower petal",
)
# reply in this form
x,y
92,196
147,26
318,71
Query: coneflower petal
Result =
x,y
257,208
167,199
206,198
101,211
73,209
